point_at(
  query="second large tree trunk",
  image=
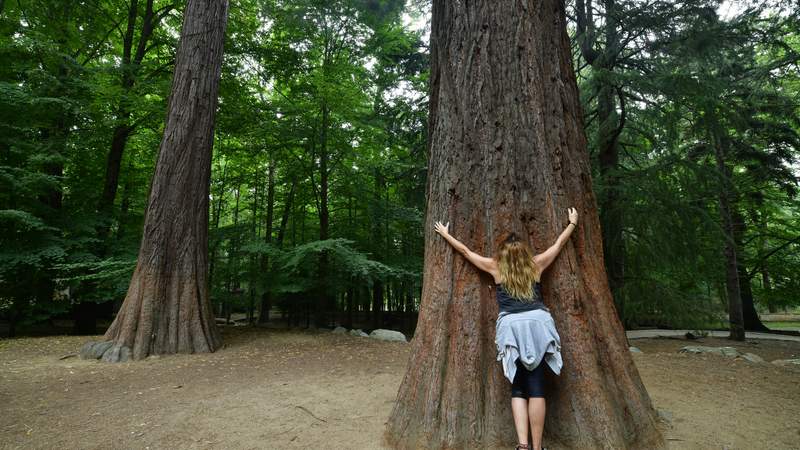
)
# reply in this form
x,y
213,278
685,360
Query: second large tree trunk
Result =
x,y
167,307
508,153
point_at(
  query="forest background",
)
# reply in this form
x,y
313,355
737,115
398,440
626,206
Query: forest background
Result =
x,y
691,109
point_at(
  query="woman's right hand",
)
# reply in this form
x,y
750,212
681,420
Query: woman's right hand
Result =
x,y
573,215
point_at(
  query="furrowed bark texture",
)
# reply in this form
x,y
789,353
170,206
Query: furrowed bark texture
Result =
x,y
167,307
508,153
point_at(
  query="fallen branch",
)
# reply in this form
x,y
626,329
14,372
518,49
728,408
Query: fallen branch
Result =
x,y
312,414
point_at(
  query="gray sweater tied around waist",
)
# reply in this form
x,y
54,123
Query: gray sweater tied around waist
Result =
x,y
530,336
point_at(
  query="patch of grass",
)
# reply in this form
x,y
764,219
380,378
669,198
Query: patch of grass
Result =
x,y
783,325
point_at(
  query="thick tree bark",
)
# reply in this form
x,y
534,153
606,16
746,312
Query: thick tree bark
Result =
x,y
167,307
508,153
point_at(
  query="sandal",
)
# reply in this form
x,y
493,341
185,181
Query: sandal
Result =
x,y
522,447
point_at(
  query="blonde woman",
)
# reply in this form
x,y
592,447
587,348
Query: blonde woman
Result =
x,y
525,333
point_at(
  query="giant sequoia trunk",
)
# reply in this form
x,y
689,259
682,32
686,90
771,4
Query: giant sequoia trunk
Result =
x,y
508,153
167,307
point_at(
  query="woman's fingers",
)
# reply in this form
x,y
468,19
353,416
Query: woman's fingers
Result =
x,y
440,228
573,214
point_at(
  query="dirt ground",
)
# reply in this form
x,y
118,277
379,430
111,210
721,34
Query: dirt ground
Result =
x,y
273,389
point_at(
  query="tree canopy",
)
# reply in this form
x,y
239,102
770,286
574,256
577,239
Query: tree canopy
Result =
x,y
318,179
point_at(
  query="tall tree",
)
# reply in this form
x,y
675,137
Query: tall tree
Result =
x,y
603,60
167,308
133,53
508,153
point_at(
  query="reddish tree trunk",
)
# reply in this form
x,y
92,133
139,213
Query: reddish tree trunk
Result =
x,y
167,307
508,153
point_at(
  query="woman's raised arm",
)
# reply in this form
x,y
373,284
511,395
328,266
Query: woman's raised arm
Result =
x,y
544,259
481,262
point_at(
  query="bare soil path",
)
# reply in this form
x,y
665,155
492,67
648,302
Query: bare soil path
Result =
x,y
273,389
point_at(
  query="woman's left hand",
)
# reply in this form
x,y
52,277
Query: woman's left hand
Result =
x,y
441,229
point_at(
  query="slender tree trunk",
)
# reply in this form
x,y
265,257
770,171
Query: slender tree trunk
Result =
x,y
750,317
132,57
377,304
765,278
322,314
287,210
378,238
217,214
348,321
124,207
122,130
113,163
508,153
167,308
609,126
735,314
252,259
233,258
266,297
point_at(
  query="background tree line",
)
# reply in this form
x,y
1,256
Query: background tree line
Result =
x,y
318,176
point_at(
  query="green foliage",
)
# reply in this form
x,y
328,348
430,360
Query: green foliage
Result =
x,y
297,268
685,79
319,167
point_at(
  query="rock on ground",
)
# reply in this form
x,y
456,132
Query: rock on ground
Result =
x,y
724,351
339,330
358,333
752,357
787,362
664,414
388,335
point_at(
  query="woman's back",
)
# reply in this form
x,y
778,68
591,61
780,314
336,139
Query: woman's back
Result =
x,y
508,304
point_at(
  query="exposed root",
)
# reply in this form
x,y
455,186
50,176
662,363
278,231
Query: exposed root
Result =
x,y
105,350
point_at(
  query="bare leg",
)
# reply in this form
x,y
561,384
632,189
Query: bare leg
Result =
x,y
519,409
536,410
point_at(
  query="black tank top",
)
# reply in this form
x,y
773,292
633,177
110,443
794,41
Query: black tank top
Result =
x,y
509,304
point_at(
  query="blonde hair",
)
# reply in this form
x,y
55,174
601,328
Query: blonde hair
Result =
x,y
518,270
